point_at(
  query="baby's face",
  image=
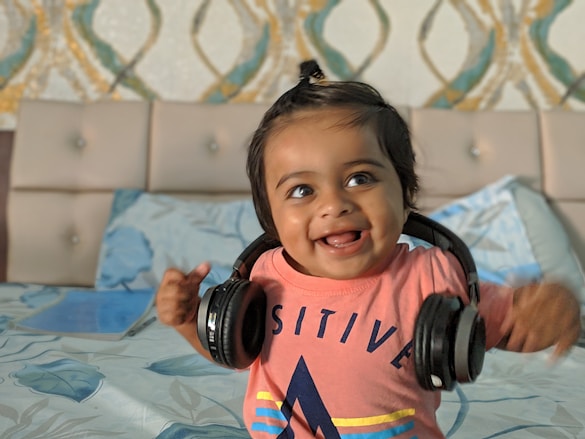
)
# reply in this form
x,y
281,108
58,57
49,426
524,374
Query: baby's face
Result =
x,y
335,198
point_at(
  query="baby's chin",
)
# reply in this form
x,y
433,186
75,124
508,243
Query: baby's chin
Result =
x,y
341,271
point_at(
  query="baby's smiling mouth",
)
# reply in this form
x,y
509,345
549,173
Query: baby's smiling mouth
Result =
x,y
340,240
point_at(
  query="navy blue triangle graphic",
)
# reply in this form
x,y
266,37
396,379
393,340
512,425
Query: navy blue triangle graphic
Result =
x,y
302,389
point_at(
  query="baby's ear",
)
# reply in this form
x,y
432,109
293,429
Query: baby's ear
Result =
x,y
406,213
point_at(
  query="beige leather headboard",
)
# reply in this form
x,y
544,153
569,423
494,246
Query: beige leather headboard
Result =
x,y
69,157
460,152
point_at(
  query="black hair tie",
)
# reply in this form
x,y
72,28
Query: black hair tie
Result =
x,y
310,70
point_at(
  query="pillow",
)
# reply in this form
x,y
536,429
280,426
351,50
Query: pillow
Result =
x,y
513,235
148,233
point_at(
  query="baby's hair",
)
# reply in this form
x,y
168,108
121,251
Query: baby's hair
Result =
x,y
310,70
366,107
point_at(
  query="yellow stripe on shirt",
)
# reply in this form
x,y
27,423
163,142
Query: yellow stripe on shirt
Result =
x,y
372,420
352,422
266,396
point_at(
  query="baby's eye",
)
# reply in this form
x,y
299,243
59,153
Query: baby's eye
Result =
x,y
359,179
300,191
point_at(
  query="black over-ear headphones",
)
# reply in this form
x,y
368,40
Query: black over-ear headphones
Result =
x,y
449,337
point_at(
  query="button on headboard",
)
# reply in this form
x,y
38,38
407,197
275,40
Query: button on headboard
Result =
x,y
201,147
460,152
67,158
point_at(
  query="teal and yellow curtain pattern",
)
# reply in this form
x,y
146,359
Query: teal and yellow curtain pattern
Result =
x,y
465,54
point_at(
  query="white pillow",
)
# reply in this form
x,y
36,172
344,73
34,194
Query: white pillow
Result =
x,y
514,236
512,233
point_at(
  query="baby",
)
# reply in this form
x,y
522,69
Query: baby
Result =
x,y
332,173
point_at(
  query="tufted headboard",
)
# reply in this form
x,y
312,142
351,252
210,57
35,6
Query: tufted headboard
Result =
x,y
68,158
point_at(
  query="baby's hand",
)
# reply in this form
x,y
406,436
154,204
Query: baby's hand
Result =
x,y
177,299
543,315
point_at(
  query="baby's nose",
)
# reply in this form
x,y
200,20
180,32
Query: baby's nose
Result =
x,y
336,203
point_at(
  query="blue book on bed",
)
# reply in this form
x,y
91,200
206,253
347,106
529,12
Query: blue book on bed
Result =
x,y
97,314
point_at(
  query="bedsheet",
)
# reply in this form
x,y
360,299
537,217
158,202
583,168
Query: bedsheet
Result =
x,y
153,385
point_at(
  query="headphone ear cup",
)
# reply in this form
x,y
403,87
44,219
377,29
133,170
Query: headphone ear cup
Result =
x,y
203,315
231,321
449,343
469,349
422,343
438,330
231,316
242,324
432,342
211,317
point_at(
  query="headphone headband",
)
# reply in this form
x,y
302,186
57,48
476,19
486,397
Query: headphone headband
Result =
x,y
243,264
422,227
417,226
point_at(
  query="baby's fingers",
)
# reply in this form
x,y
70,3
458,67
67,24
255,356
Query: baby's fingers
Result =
x,y
177,300
191,285
196,276
517,339
566,342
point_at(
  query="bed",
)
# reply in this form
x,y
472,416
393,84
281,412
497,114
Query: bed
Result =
x,y
111,193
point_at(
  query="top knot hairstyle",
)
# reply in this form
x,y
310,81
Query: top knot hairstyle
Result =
x,y
310,70
367,108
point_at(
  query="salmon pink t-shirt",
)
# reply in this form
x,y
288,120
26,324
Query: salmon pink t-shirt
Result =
x,y
337,359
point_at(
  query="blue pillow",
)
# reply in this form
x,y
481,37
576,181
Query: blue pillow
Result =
x,y
148,233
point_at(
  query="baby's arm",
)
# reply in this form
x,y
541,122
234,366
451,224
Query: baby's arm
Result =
x,y
542,315
177,303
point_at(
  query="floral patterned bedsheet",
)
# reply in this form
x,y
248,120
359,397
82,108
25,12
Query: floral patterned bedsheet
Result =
x,y
153,385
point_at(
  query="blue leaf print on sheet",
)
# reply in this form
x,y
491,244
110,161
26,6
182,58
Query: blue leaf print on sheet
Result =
x,y
132,255
192,365
184,431
4,322
69,378
461,413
